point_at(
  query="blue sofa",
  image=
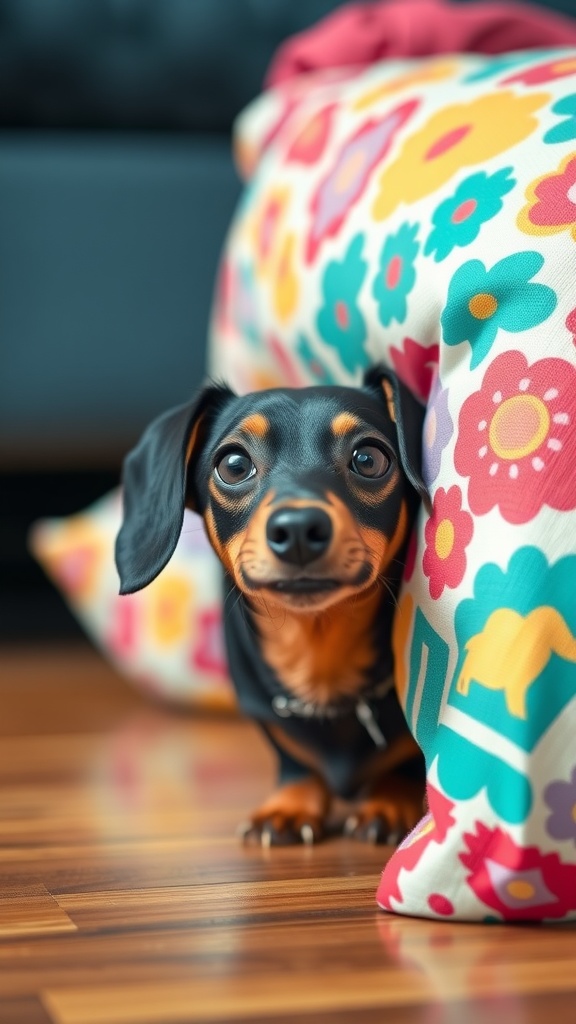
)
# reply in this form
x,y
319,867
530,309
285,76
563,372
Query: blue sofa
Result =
x,y
116,188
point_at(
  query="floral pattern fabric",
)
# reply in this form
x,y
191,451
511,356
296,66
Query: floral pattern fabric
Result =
x,y
419,213
436,233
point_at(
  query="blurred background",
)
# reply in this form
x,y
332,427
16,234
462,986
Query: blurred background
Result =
x,y
116,190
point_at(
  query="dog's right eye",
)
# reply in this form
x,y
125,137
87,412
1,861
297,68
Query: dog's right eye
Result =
x,y
235,467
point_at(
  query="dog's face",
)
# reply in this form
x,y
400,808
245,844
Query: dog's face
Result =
x,y
302,493
306,494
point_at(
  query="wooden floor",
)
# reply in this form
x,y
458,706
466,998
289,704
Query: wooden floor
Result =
x,y
125,896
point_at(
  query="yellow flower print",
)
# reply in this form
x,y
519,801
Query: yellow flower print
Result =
x,y
462,135
286,287
551,205
432,72
266,229
273,250
73,552
262,380
169,609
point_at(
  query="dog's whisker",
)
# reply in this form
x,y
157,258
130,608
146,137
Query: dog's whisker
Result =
x,y
398,561
388,587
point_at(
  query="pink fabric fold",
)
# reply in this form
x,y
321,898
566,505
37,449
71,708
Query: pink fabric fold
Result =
x,y
360,34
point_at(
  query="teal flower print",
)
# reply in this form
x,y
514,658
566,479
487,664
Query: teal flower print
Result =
x,y
340,322
457,221
397,275
566,130
482,301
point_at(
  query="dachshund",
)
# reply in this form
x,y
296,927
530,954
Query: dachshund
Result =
x,y
308,496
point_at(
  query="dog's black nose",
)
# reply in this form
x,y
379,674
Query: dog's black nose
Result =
x,y
299,535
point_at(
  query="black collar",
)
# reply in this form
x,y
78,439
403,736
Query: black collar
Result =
x,y
286,706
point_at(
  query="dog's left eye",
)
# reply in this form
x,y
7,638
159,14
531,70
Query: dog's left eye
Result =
x,y
235,467
369,461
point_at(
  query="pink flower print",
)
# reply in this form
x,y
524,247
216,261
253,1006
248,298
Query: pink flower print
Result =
x,y
516,439
416,364
121,634
290,373
432,828
560,67
209,654
520,883
448,533
310,142
571,324
266,230
551,206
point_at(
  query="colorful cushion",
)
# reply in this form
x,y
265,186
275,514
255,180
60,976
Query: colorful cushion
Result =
x,y
423,214
167,638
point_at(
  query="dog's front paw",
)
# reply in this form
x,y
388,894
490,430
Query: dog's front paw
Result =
x,y
295,813
393,809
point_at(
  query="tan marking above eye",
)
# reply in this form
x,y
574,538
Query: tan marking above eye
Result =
x,y
344,423
389,396
257,425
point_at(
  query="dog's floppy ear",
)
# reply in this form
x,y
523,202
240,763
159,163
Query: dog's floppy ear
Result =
x,y
408,415
155,491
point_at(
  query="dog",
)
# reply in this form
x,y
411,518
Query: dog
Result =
x,y
308,496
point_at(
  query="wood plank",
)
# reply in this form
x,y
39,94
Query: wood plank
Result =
x,y
239,995
474,960
225,902
31,910
157,862
24,1011
69,675
509,1009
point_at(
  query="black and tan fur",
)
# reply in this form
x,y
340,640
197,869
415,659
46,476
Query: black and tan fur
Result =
x,y
308,496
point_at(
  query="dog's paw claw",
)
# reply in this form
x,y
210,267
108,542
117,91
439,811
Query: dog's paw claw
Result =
x,y
307,835
373,832
350,825
244,830
373,829
387,815
276,832
266,838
